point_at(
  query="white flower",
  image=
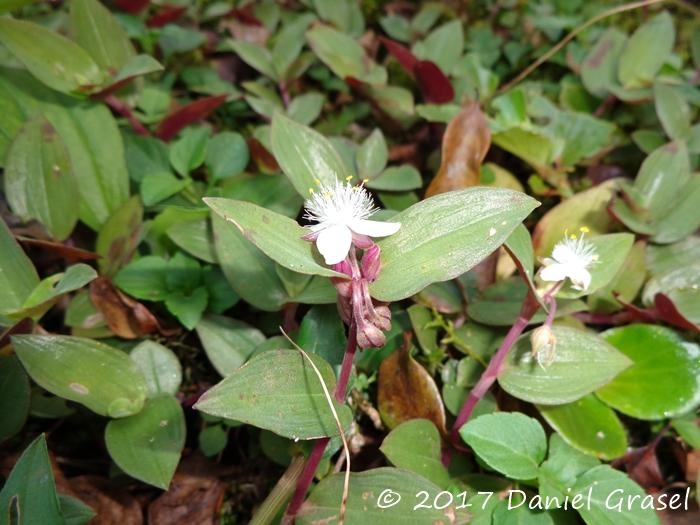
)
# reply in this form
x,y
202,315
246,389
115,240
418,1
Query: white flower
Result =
x,y
571,257
342,212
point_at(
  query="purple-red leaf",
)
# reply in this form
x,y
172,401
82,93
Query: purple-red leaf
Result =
x,y
186,115
434,85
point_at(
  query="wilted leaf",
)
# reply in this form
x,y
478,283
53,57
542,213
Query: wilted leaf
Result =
x,y
407,391
464,146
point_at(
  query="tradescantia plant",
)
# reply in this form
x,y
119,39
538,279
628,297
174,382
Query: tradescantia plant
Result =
x,y
414,263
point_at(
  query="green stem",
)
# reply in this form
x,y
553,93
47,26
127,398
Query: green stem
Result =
x,y
280,494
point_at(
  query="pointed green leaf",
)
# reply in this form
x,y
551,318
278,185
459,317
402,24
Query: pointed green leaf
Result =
x,y
14,397
279,237
29,494
646,50
582,363
599,68
256,56
119,236
17,274
305,156
673,111
99,33
53,59
147,445
227,342
444,236
39,181
83,370
278,390
250,272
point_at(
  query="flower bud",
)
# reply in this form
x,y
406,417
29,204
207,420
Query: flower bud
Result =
x,y
543,342
371,263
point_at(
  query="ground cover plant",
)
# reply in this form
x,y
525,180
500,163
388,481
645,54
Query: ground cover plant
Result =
x,y
349,262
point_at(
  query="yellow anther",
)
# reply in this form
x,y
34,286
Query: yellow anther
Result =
x,y
584,229
572,237
365,181
311,191
317,181
348,178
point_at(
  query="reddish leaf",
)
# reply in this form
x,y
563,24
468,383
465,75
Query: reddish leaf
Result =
x,y
245,15
668,312
464,146
69,253
125,317
165,15
131,6
263,159
407,391
25,326
402,54
434,85
186,115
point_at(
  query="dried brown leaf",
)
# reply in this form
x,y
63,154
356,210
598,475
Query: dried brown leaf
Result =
x,y
464,146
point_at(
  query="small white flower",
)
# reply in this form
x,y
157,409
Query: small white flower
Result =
x,y
571,257
342,212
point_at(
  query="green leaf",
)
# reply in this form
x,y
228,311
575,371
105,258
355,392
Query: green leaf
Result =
x,y
147,445
119,236
305,156
607,492
322,332
189,150
17,274
227,342
100,34
582,363
144,278
672,110
588,425
664,379
74,278
53,59
397,178
29,494
195,237
442,46
519,246
157,187
372,155
256,56
382,495
39,181
599,68
508,442
663,259
250,272
626,284
160,368
462,227
646,50
289,42
212,440
562,467
14,397
684,218
279,237
415,446
74,511
188,307
688,429
136,66
344,55
83,370
278,390
227,155
661,176
306,108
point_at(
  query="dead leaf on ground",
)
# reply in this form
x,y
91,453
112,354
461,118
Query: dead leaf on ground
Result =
x,y
464,146
407,391
195,496
125,317
111,505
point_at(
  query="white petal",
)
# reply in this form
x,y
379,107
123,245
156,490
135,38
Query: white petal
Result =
x,y
374,228
334,243
563,253
554,272
580,277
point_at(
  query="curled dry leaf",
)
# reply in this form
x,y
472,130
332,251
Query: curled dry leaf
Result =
x,y
125,317
464,146
407,391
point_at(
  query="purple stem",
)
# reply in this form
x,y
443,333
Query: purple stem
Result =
x,y
307,476
487,379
